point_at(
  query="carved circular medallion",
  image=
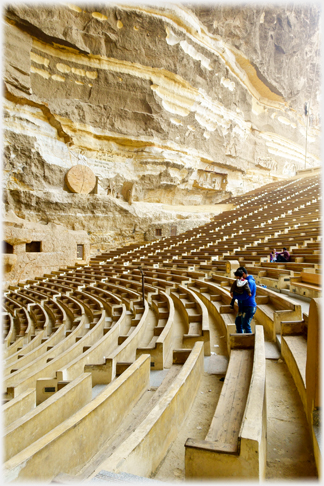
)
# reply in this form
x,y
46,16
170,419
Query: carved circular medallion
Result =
x,y
80,179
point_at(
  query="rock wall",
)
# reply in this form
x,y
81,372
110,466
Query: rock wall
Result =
x,y
167,106
33,249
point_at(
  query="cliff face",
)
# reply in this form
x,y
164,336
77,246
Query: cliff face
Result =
x,y
166,106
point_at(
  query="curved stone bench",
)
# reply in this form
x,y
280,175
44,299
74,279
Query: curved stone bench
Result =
x,y
23,326
56,313
149,290
13,346
72,307
126,351
26,376
161,347
43,365
19,406
61,289
11,354
56,409
217,301
111,302
127,295
195,314
235,446
154,281
40,318
9,331
104,414
33,294
95,354
23,359
145,448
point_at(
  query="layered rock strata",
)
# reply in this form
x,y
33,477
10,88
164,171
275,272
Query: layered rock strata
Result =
x,y
166,106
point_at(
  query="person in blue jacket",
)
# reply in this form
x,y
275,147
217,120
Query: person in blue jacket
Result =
x,y
249,307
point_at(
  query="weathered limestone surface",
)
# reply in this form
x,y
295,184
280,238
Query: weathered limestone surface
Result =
x,y
57,248
166,105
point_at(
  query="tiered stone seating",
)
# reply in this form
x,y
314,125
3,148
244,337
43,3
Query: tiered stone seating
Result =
x,y
97,334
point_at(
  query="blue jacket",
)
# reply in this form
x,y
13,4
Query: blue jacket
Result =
x,y
245,298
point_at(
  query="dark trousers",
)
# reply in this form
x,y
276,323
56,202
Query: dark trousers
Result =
x,y
281,258
243,321
239,303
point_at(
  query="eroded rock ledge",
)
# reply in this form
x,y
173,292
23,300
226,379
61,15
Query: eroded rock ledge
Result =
x,y
168,106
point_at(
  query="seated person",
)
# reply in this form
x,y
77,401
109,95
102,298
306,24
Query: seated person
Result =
x,y
273,256
238,286
283,256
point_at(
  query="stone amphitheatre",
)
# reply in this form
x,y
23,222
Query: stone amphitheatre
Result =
x,y
150,150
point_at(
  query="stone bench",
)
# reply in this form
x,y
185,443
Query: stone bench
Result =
x,y
217,299
41,420
167,276
67,283
56,313
126,295
48,292
305,258
235,446
11,354
222,280
160,349
71,306
195,314
40,317
43,365
274,277
110,301
62,289
307,284
55,446
34,295
125,352
20,299
163,423
273,309
8,329
292,266
92,306
149,290
78,280
154,281
95,352
19,406
306,251
25,356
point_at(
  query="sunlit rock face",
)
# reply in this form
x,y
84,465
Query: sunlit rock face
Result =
x,y
169,106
